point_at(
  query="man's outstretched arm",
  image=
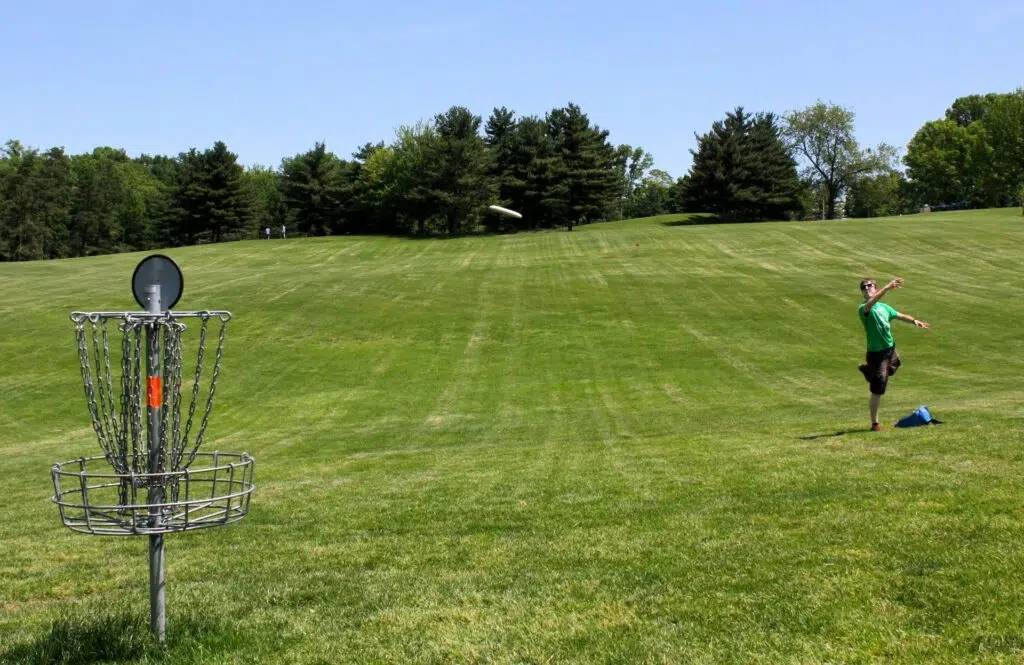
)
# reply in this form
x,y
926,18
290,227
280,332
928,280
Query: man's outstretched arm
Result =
x,y
909,319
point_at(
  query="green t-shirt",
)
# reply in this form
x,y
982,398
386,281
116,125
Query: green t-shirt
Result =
x,y
876,325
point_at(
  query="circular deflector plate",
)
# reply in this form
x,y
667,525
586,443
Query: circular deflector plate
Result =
x,y
157,269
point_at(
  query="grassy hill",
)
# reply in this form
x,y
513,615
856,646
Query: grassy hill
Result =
x,y
554,447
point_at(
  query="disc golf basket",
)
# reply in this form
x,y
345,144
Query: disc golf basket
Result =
x,y
152,478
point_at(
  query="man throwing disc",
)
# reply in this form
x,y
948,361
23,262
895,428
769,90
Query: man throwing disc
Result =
x,y
882,358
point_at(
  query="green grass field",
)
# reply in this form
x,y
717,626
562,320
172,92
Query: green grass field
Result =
x,y
554,448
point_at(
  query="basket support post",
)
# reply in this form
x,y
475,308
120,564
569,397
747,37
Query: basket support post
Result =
x,y
154,393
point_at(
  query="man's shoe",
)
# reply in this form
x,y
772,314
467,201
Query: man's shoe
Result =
x,y
876,427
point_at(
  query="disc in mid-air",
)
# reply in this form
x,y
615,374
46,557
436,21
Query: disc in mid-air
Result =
x,y
161,271
506,211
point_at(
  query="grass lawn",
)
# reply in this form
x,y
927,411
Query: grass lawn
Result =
x,y
554,447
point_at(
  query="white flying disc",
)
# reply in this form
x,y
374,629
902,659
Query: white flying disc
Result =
x,y
506,211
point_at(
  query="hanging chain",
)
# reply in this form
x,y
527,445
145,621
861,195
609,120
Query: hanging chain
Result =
x,y
126,394
213,388
108,446
213,383
140,450
126,413
168,383
174,403
107,392
195,383
90,396
118,419
170,441
96,398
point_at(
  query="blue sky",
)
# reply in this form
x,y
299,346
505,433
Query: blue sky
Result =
x,y
272,78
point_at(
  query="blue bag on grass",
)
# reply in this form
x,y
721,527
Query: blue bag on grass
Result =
x,y
922,416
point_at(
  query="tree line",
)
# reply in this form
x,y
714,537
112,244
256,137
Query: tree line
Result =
x,y
437,177
971,158
974,154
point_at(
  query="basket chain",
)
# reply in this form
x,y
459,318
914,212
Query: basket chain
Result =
x,y
104,421
134,383
120,434
195,391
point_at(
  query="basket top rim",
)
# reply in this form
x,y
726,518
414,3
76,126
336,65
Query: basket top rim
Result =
x,y
95,316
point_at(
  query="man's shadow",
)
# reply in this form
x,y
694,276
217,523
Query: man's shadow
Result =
x,y
844,432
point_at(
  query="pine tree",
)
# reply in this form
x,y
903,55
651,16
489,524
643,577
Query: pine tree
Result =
x,y
462,183
499,128
775,178
500,138
190,198
316,187
526,169
535,169
742,170
586,180
719,169
226,206
209,194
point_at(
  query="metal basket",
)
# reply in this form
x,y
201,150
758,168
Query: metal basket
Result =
x,y
94,500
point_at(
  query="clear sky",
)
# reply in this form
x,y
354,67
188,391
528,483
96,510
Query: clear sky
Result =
x,y
272,78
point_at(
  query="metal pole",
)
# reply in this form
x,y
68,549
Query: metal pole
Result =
x,y
154,392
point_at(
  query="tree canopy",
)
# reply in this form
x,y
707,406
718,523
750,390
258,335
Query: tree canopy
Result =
x,y
559,169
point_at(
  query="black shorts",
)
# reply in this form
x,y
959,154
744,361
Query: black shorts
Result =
x,y
880,365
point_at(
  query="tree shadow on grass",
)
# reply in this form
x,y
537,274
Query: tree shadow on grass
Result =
x,y
698,219
122,637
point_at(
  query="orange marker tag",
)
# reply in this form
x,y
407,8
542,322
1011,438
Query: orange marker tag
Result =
x,y
155,391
